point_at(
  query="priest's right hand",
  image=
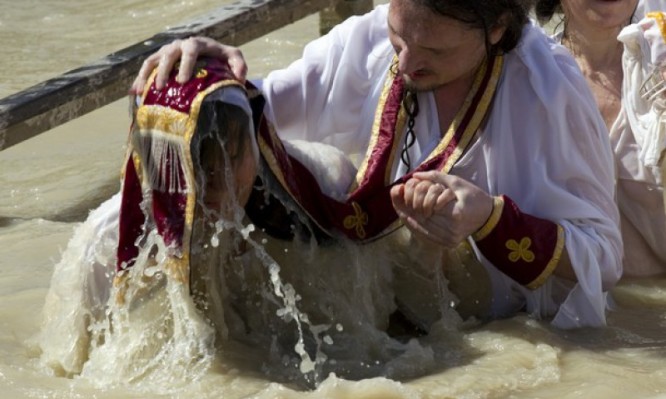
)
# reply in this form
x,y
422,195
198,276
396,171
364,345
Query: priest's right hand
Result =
x,y
186,51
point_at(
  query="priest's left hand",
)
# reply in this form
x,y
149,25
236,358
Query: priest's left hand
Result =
x,y
442,208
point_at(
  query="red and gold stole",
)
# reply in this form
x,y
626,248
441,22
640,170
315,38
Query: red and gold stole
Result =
x,y
368,213
158,182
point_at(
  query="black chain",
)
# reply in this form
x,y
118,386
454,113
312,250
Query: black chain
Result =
x,y
411,105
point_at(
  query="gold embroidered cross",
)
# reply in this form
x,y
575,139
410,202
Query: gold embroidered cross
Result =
x,y
520,251
357,220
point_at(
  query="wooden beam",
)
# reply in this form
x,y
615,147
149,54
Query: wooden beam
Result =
x,y
51,103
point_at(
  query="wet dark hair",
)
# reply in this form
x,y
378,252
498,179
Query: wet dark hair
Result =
x,y
485,14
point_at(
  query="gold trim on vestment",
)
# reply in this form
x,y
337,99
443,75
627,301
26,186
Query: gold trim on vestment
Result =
x,y
477,118
395,149
493,219
552,264
662,169
267,152
376,129
154,120
195,108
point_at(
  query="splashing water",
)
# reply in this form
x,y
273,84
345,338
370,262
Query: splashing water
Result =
x,y
294,311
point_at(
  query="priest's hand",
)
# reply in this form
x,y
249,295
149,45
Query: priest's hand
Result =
x,y
442,208
186,52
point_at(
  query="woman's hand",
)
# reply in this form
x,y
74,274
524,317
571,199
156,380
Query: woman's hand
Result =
x,y
187,51
442,208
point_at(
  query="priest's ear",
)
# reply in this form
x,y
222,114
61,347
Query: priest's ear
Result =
x,y
497,31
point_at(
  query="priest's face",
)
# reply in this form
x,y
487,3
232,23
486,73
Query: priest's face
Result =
x,y
434,50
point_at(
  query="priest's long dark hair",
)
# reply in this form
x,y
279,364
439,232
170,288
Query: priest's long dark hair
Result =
x,y
545,9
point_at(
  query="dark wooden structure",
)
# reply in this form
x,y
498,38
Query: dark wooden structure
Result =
x,y
51,103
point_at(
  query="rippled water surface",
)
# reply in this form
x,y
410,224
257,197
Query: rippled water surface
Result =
x,y
50,183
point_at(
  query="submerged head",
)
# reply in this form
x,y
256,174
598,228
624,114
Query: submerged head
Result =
x,y
227,158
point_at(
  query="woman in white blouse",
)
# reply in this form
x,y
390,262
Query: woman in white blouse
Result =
x,y
618,45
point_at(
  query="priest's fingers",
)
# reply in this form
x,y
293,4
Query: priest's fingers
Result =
x,y
416,192
473,205
237,63
209,47
168,59
435,198
147,67
189,52
446,197
397,196
164,60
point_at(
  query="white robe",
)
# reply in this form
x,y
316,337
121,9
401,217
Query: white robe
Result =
x,y
544,145
638,137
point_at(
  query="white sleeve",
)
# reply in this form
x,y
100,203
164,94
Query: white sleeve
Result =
x,y
650,19
556,163
321,96
644,50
